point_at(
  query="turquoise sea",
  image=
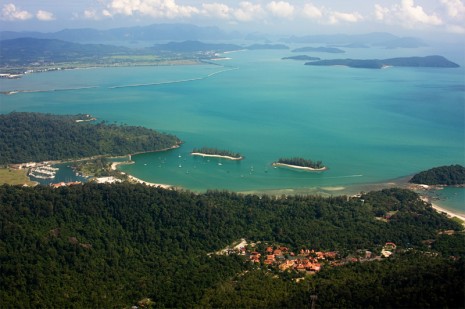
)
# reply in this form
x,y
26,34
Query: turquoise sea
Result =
x,y
367,126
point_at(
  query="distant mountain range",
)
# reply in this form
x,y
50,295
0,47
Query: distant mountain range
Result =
x,y
155,32
183,32
378,39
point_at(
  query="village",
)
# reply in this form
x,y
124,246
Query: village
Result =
x,y
305,260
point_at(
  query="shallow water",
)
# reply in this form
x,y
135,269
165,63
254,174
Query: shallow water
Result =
x,y
367,126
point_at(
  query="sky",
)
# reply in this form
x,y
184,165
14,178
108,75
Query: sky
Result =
x,y
409,17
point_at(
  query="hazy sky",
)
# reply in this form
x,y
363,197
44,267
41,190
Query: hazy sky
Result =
x,y
427,17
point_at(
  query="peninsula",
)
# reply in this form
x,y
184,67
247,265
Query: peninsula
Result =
x,y
216,153
45,137
419,62
301,163
443,175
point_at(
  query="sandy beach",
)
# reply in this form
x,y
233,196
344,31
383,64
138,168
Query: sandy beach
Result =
x,y
449,213
306,168
215,156
114,165
151,184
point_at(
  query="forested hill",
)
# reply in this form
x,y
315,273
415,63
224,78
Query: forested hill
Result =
x,y
26,137
442,175
105,246
420,62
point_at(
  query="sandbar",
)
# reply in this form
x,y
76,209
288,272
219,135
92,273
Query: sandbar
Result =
x,y
215,156
305,168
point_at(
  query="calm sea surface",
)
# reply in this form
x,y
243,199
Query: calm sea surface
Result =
x,y
367,126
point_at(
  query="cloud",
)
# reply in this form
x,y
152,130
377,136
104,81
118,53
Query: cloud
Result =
x,y
281,9
455,8
381,12
44,15
11,12
154,8
218,10
407,14
92,14
416,14
312,11
248,11
336,17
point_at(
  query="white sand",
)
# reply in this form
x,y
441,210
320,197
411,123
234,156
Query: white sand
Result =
x,y
449,213
301,167
151,184
215,156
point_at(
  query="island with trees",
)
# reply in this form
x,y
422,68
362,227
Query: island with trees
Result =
x,y
301,163
321,49
443,175
37,137
216,153
424,62
301,57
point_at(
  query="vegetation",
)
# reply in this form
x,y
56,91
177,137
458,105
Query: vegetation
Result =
x,y
428,61
40,55
14,177
217,152
99,167
26,137
301,57
98,245
410,280
301,162
443,175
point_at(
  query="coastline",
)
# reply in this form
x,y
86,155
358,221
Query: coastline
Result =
x,y
216,156
440,209
150,184
306,168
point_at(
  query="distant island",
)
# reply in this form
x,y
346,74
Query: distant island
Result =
x,y
332,50
301,163
301,57
443,175
267,46
427,62
37,137
217,153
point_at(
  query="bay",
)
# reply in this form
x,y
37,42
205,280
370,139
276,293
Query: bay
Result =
x,y
367,126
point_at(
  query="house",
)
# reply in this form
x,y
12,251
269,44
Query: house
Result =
x,y
390,246
330,255
286,265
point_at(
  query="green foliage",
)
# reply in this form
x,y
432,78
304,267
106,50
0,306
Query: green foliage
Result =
x,y
411,280
216,151
36,137
26,50
97,245
443,175
301,162
428,61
